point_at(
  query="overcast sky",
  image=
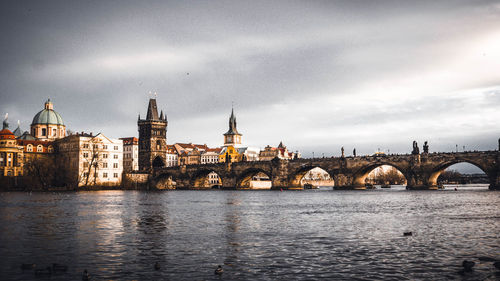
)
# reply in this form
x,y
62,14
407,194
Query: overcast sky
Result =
x,y
317,75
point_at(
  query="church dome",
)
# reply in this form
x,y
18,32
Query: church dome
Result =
x,y
47,116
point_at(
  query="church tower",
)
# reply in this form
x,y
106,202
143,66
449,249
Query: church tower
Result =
x,y
152,138
232,137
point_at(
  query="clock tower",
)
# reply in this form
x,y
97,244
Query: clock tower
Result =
x,y
232,137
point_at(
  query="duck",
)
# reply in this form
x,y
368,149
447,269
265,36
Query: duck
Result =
x,y
85,275
44,272
497,264
409,233
468,265
219,270
59,267
26,266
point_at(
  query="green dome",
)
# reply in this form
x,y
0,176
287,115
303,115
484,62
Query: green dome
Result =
x,y
47,116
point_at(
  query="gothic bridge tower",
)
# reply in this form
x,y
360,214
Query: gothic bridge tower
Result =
x,y
152,138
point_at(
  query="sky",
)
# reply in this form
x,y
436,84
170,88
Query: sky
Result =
x,y
317,75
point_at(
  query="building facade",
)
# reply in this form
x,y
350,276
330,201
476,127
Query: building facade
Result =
x,y
91,160
130,154
210,156
11,154
281,152
152,138
172,156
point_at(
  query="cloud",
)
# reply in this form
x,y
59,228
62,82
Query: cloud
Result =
x,y
314,74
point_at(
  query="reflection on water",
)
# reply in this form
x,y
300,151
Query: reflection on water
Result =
x,y
263,235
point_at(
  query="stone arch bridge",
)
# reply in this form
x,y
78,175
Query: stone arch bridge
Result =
x,y
421,170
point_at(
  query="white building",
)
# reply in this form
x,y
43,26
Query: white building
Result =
x,y
210,156
130,154
92,160
172,157
249,153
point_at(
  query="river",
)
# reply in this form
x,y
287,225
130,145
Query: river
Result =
x,y
254,235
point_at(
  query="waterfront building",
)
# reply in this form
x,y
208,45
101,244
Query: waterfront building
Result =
x,y
130,154
214,179
229,154
11,154
48,124
189,154
281,152
172,156
232,137
210,156
91,160
152,138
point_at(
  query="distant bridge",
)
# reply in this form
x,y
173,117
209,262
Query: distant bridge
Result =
x,y
421,170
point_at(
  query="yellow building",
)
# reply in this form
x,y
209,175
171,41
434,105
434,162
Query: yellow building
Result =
x,y
11,154
229,154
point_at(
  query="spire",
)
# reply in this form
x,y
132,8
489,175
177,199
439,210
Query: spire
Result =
x,y
161,115
281,145
18,132
152,110
6,122
138,117
232,124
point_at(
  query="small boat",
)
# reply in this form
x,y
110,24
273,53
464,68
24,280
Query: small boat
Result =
x,y
308,186
385,186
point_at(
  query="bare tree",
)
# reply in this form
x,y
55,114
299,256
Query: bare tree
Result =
x,y
93,156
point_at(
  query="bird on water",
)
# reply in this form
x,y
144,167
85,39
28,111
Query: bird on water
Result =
x,y
219,270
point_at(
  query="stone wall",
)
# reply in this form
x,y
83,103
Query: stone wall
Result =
x,y
135,180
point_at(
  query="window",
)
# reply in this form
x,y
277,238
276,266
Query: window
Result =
x,y
104,175
115,175
85,145
44,132
96,146
116,147
105,156
104,165
54,132
29,148
115,165
39,148
50,149
85,164
85,154
115,156
105,147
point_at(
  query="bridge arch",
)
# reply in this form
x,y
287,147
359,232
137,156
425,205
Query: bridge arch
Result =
x,y
244,179
206,178
359,177
297,176
165,181
438,170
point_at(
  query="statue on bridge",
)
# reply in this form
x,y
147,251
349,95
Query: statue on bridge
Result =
x,y
342,150
415,150
426,147
498,144
354,152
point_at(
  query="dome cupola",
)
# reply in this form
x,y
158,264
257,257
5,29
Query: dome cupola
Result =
x,y
48,124
48,115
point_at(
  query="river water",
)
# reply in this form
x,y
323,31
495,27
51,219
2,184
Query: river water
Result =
x,y
255,235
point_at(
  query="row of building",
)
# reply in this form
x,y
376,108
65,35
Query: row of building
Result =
x,y
49,156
